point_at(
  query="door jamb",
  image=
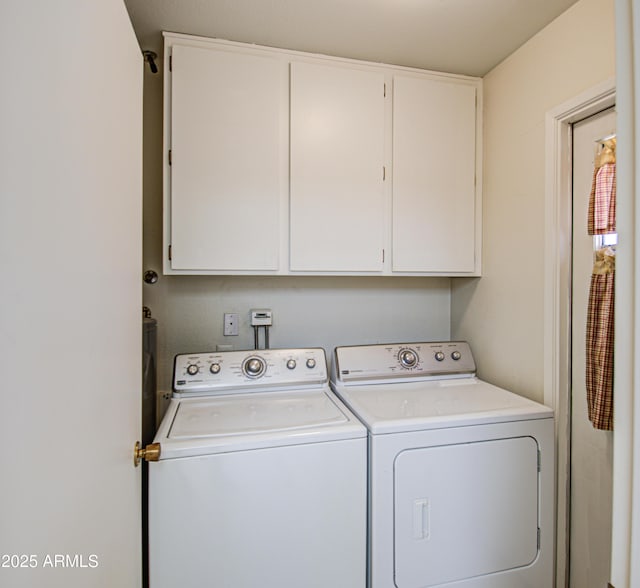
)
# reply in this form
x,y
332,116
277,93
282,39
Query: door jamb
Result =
x,y
557,289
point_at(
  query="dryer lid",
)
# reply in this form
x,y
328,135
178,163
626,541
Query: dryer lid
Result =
x,y
414,406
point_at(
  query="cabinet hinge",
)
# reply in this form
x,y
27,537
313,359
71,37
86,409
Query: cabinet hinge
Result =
x,y
169,252
169,156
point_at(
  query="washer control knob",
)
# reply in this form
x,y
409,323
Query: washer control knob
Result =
x,y
408,358
253,367
456,355
192,369
291,364
214,368
439,356
311,363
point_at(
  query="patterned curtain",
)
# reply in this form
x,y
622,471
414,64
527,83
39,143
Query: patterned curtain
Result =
x,y
600,313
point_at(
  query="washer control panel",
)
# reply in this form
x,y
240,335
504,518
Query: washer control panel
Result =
x,y
224,371
431,360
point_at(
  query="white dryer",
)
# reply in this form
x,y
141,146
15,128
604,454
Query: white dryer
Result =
x,y
261,479
461,472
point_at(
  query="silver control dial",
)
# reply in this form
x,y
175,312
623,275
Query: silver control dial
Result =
x,y
440,356
291,364
311,363
214,368
192,369
253,367
456,355
408,358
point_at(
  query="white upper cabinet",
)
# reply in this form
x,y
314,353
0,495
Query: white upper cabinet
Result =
x,y
286,163
434,170
228,164
337,159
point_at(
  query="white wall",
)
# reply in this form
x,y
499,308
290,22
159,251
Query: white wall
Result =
x,y
308,311
502,314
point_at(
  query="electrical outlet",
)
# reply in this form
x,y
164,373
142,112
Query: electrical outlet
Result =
x,y
231,324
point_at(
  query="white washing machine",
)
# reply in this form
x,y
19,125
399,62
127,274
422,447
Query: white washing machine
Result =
x,y
261,480
461,472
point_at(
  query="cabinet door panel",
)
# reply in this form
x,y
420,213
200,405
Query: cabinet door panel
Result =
x,y
337,156
434,139
227,160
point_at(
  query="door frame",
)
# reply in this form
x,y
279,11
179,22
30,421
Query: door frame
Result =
x,y
557,289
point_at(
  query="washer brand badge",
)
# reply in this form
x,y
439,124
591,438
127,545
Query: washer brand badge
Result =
x,y
181,382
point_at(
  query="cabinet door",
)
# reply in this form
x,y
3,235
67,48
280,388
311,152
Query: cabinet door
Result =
x,y
434,159
227,159
337,156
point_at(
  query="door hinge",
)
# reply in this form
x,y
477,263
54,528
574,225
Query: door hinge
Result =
x,y
539,461
171,63
169,156
169,252
384,92
538,538
383,256
384,173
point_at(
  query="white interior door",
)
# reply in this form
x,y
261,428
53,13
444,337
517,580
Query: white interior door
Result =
x,y
70,312
591,449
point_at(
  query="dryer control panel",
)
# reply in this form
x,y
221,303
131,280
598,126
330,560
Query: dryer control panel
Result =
x,y
431,360
225,371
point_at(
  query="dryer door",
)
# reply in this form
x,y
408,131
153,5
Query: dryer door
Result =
x,y
465,510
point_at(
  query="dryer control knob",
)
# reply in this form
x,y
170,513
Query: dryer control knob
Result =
x,y
311,363
440,356
456,355
192,369
291,364
215,368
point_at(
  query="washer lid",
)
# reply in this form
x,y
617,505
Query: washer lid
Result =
x,y
413,406
203,425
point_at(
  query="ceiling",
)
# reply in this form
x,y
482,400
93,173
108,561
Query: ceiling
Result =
x,y
458,36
